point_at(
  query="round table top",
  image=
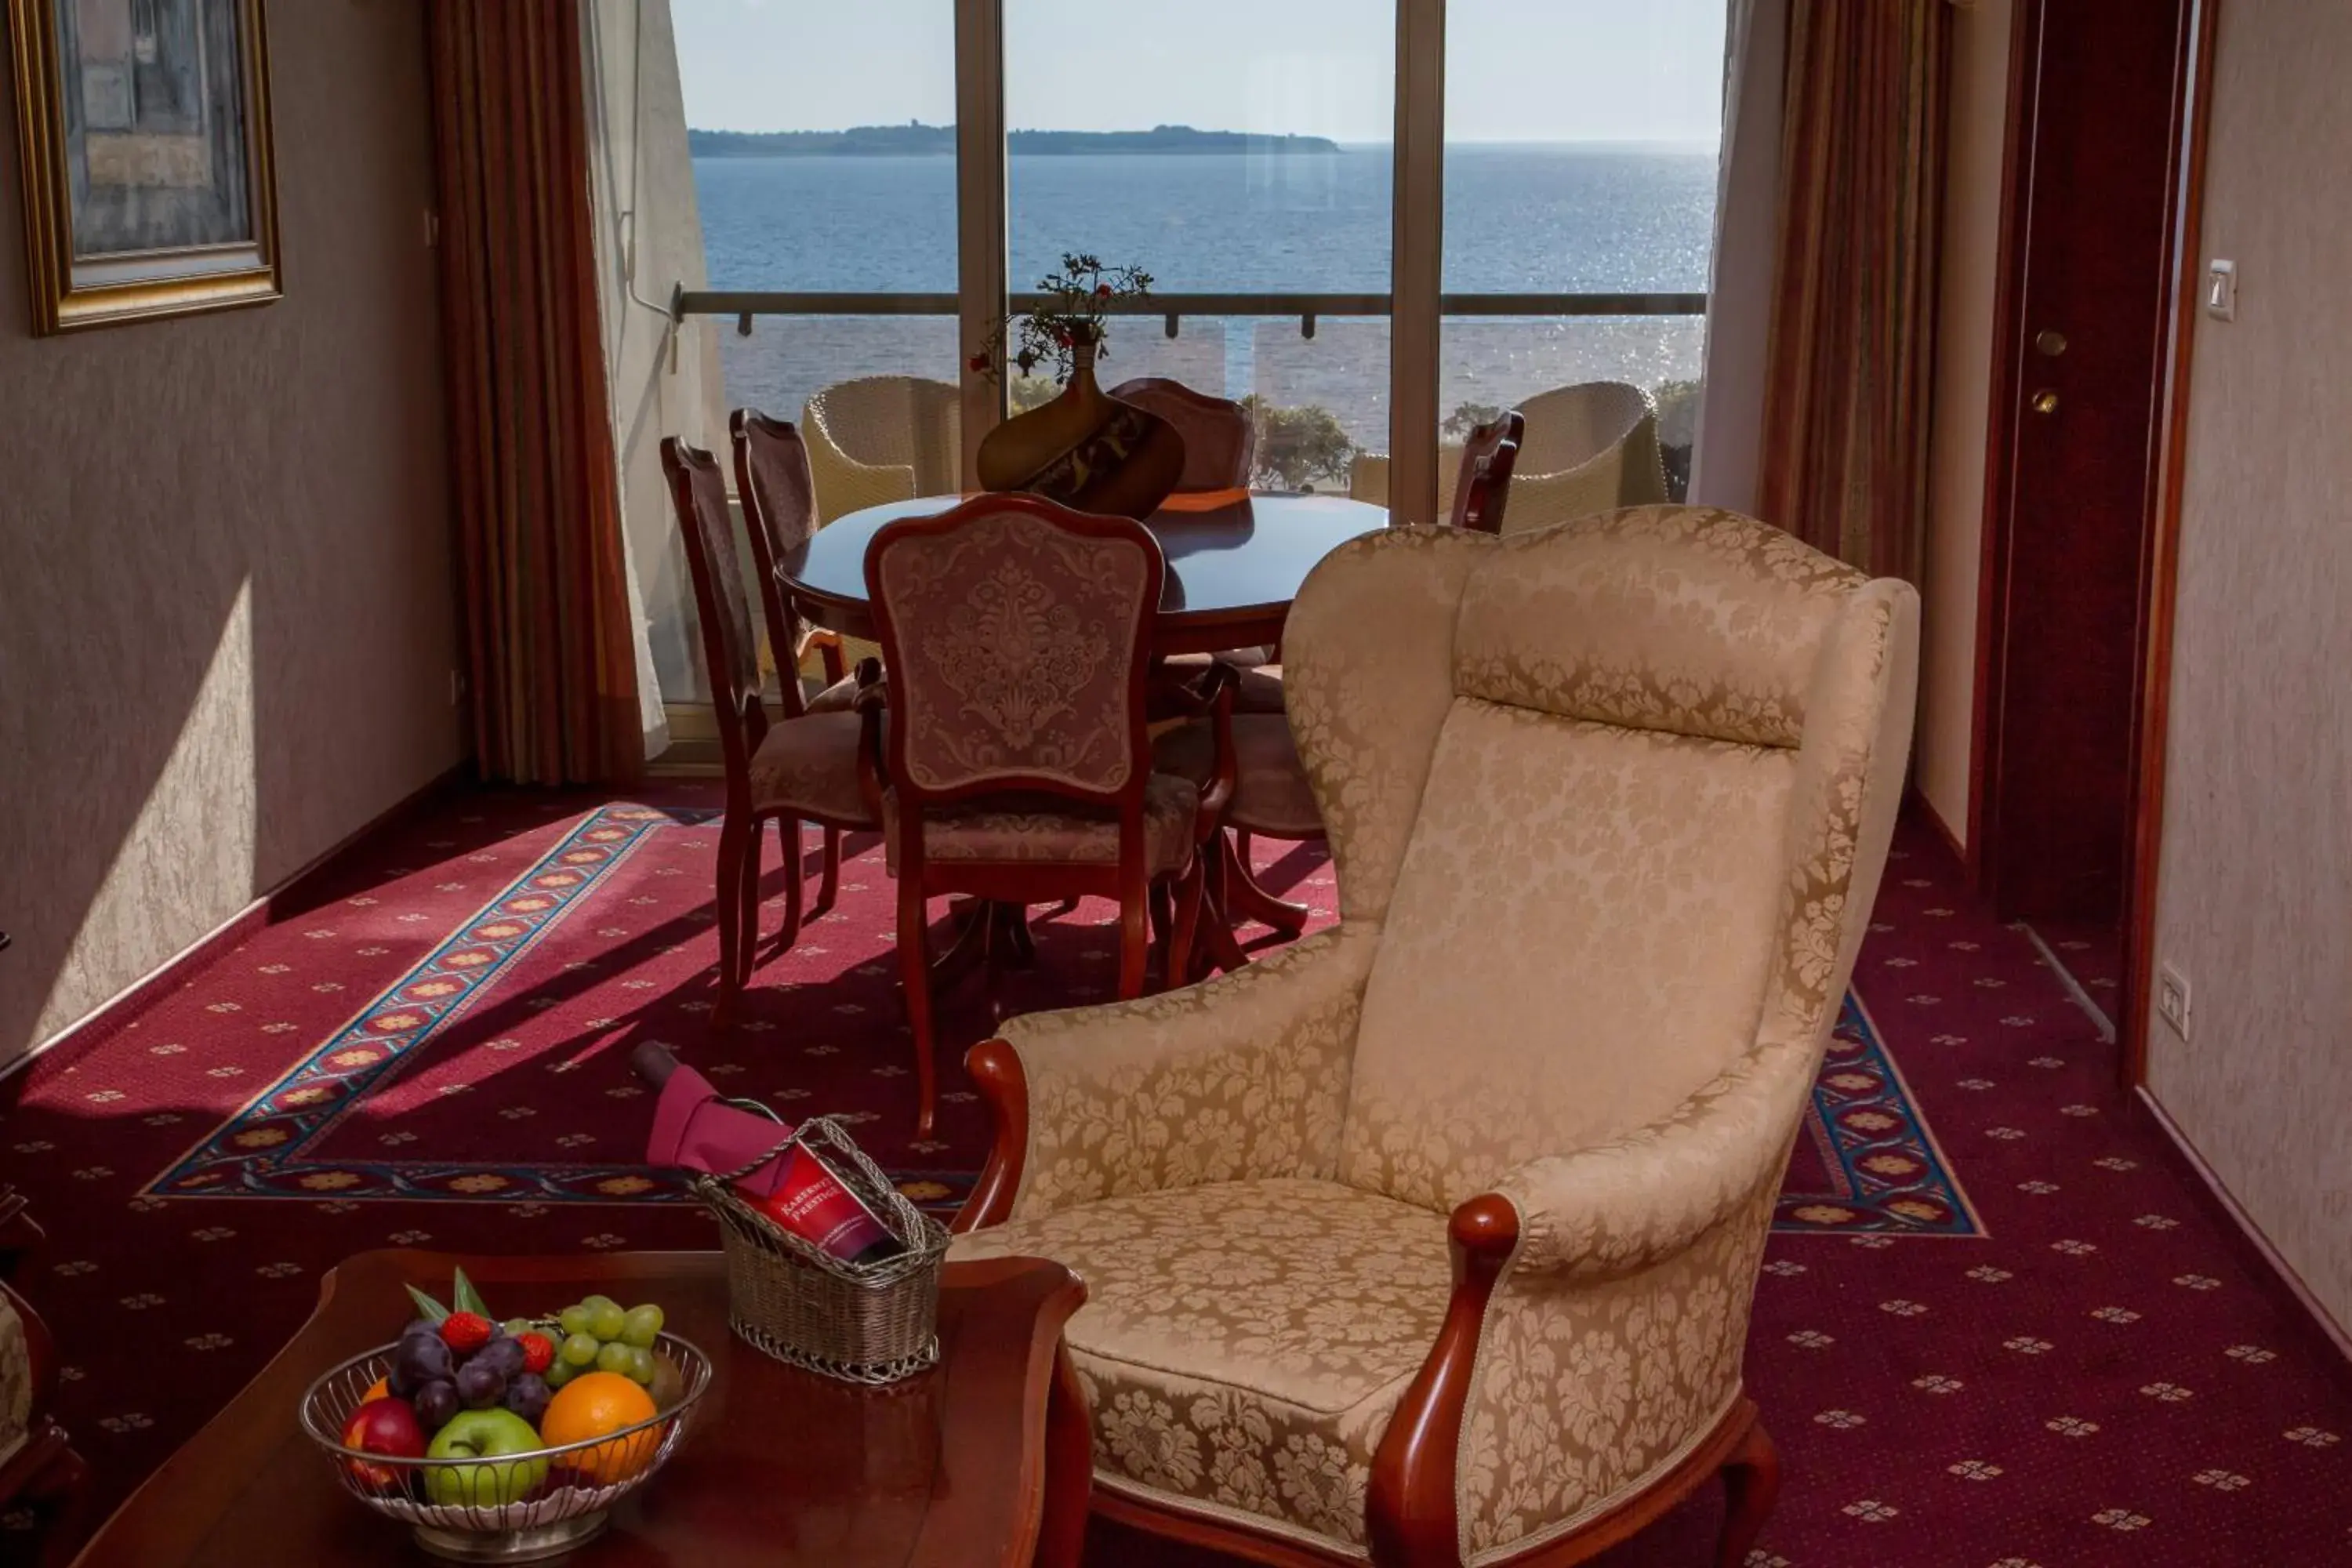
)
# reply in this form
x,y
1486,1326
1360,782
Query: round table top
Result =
x,y
1235,561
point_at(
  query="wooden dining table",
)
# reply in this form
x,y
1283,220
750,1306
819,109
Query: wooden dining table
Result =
x,y
1235,561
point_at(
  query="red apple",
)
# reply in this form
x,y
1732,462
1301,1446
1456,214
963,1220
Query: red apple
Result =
x,y
385,1425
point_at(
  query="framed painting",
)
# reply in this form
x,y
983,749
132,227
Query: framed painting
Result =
x,y
144,130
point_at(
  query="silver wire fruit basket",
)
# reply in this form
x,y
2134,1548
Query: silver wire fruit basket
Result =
x,y
504,1508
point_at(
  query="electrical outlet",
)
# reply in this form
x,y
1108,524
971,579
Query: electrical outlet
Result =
x,y
2172,999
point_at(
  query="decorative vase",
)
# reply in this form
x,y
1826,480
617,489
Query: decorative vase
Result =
x,y
1086,449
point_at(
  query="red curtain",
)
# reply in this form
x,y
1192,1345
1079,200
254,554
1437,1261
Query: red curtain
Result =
x,y
553,656
1850,369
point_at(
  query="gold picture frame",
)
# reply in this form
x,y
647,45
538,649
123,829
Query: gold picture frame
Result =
x,y
149,170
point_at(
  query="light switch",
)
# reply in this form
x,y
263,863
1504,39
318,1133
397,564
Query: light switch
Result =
x,y
2221,290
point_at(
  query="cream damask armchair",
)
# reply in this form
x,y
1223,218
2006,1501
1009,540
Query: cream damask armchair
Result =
x,y
1432,1238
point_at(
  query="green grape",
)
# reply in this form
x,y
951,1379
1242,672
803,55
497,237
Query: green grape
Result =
x,y
575,1319
605,1320
615,1357
560,1372
580,1350
641,1365
592,1302
515,1328
642,1327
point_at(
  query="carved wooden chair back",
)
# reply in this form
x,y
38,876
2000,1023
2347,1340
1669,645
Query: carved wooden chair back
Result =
x,y
779,497
1220,440
1016,634
730,652
1487,459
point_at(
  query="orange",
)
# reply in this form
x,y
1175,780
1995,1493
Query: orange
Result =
x,y
380,1389
591,1405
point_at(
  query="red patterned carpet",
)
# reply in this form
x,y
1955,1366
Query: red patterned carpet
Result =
x,y
2037,1343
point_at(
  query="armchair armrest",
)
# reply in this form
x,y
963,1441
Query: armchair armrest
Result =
x,y
1625,1206
1243,1077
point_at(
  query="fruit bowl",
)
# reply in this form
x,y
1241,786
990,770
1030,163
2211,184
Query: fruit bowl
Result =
x,y
515,1506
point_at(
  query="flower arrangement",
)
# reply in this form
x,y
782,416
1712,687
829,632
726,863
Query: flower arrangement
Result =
x,y
1078,298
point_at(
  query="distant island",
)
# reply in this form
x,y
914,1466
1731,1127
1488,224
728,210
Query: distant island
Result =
x,y
915,138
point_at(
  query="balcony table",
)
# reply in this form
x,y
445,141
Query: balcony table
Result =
x,y
1236,561
980,1462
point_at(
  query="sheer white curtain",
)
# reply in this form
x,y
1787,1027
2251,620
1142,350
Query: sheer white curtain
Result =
x,y
1729,444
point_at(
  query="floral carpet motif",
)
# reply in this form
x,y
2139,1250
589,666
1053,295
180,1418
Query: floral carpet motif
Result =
x,y
1866,1160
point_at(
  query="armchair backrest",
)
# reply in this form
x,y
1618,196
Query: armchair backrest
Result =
x,y
1017,636
1616,795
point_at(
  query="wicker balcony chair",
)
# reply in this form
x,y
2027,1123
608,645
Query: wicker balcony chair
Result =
x,y
1587,449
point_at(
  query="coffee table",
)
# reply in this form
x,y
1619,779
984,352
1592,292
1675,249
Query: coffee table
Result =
x,y
982,1460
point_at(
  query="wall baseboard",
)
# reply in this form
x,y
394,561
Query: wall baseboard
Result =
x,y
2329,1328
1919,803
136,998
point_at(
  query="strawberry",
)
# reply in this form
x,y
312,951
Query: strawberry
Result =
x,y
537,1352
466,1332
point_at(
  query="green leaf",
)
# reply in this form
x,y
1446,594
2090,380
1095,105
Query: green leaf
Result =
x,y
427,1306
469,1300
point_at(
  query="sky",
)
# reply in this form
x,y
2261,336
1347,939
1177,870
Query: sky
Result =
x,y
1516,70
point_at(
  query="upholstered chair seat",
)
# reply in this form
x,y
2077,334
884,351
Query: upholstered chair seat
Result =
x,y
836,698
1017,832
808,768
1432,1238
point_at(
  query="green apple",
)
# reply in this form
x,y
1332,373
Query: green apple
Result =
x,y
483,1434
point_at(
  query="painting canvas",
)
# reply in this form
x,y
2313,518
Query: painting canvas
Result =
x,y
147,160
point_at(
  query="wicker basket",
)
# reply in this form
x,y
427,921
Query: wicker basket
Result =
x,y
870,1324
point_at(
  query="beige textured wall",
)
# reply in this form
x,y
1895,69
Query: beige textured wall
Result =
x,y
226,619
1976,122
2254,902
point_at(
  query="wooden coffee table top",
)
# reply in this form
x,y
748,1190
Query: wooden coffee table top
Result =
x,y
782,1467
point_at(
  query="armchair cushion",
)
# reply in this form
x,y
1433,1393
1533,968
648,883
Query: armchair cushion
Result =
x,y
1296,1310
1609,893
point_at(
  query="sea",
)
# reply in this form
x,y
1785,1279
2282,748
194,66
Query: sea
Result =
x,y
1519,219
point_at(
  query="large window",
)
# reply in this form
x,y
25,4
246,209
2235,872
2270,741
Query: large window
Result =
x,y
1245,154
824,150
1580,151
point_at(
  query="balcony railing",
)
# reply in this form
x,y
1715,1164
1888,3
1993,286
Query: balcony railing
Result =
x,y
745,305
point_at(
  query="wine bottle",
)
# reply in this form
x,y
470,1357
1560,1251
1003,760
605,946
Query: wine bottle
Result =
x,y
695,1130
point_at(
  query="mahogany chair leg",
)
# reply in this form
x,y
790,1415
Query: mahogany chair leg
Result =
x,y
731,914
1134,943
1751,1485
1249,901
915,981
1188,921
1069,1469
788,844
828,887
747,889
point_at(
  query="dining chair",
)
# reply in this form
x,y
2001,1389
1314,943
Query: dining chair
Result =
x,y
1484,488
1016,635
772,480
1220,437
820,767
1587,449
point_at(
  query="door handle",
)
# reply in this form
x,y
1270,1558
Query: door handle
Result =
x,y
2044,402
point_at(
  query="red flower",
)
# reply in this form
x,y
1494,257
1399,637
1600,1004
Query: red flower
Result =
x,y
1102,290
979,361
